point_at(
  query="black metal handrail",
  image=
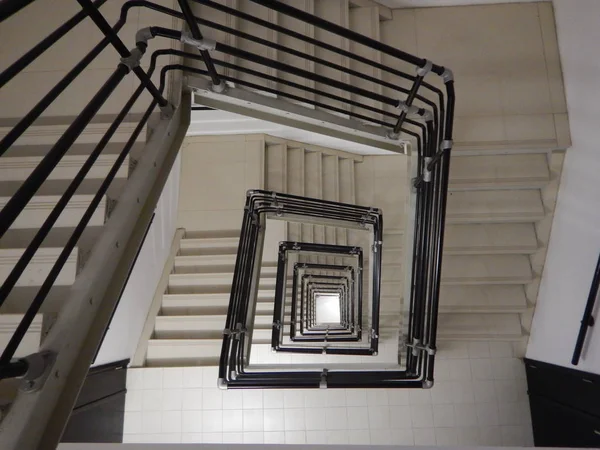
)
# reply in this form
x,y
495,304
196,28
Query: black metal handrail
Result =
x,y
588,320
428,118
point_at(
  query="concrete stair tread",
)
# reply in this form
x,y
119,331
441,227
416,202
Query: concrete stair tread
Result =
x,y
209,246
486,269
206,326
14,170
479,326
40,206
511,171
483,298
495,238
498,206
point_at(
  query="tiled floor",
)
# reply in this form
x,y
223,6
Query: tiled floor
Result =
x,y
480,398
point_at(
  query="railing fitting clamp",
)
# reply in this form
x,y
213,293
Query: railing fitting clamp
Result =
x,y
39,366
133,60
426,170
425,69
408,109
167,111
239,330
392,136
200,44
427,115
376,245
447,75
323,382
296,246
446,144
374,335
355,251
418,347
277,324
143,35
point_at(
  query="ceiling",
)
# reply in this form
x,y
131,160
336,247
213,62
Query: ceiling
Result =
x,y
394,4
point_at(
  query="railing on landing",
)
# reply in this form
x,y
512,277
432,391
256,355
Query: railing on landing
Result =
x,y
53,376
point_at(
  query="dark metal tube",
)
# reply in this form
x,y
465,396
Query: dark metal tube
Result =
x,y
43,45
116,42
587,320
13,369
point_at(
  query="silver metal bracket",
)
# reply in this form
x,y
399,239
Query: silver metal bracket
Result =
x,y
376,245
143,35
422,71
448,75
219,88
418,347
200,44
402,106
133,60
427,115
167,111
393,136
374,335
39,366
446,145
426,171
323,382
427,384
277,324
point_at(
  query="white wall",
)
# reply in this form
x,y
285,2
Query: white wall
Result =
x,y
125,329
575,239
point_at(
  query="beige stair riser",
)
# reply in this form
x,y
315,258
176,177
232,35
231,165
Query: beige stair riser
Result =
x,y
39,267
520,206
485,239
31,341
486,269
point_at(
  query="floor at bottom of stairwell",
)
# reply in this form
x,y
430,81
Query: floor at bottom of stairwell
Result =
x,y
479,398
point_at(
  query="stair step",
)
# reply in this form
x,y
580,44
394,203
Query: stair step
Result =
x,y
211,264
181,304
14,170
514,171
276,155
500,327
183,352
495,206
497,238
483,299
31,341
202,327
40,206
347,188
209,246
217,278
486,269
39,267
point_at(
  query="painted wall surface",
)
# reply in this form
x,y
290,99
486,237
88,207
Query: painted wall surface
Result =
x,y
575,239
126,326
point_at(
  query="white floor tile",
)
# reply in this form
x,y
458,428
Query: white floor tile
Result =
x,y
151,422
232,399
253,437
171,422
210,376
400,417
295,437
335,397
315,418
191,438
152,378
132,422
212,421
252,399
133,400
446,436
212,398
465,415
316,437
398,397
443,415
424,436
422,416
272,398
484,391
487,414
377,397
233,438
233,421
212,438
294,419
468,436
172,378
356,397
274,437
191,421
358,417
337,437
172,400
336,418
381,437
359,437
379,417
192,400
135,379
192,377
402,437
152,399
481,369
253,420
274,419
